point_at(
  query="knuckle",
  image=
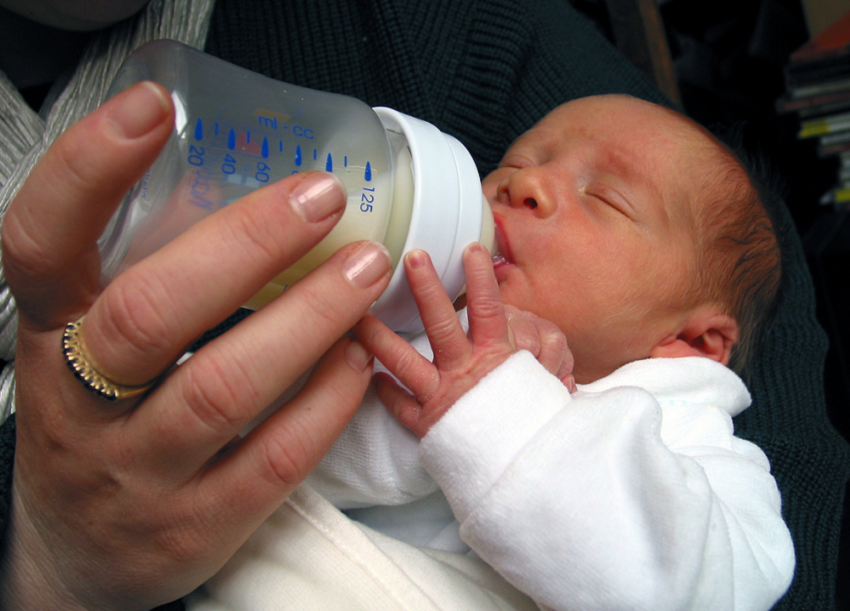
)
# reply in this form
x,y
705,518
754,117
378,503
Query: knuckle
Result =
x,y
78,173
555,340
253,232
325,308
284,457
25,254
526,336
214,394
181,534
406,365
489,308
132,313
441,330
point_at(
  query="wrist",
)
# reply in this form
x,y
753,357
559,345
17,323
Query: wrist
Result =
x,y
29,580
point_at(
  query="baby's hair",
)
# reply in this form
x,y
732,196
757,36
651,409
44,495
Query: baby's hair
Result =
x,y
741,260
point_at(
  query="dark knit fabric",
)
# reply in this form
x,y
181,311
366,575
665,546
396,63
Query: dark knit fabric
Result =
x,y
788,420
485,71
482,71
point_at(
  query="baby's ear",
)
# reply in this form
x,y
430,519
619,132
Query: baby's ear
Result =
x,y
704,332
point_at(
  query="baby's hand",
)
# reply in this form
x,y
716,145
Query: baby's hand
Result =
x,y
459,361
545,341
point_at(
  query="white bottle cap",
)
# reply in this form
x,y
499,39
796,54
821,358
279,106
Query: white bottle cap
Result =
x,y
448,214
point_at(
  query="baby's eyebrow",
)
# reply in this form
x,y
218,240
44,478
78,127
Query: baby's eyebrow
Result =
x,y
630,167
622,163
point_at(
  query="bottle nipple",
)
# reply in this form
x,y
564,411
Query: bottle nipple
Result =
x,y
488,229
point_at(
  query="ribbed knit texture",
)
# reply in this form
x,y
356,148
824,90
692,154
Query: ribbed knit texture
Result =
x,y
482,71
788,420
485,71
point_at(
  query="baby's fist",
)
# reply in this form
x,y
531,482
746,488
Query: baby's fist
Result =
x,y
545,341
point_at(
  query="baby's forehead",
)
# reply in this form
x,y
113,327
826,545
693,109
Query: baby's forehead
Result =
x,y
627,115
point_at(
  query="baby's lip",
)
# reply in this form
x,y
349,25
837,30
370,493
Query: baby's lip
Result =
x,y
503,248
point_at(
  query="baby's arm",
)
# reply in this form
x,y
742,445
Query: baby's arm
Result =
x,y
460,360
611,498
615,497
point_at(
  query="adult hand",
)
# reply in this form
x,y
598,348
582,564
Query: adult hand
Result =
x,y
130,504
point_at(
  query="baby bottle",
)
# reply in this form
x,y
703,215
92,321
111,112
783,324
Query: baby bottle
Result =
x,y
409,185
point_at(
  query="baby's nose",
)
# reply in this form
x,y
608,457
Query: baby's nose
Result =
x,y
526,189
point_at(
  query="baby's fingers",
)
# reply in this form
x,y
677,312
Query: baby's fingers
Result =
x,y
555,354
447,337
399,357
488,324
545,341
523,333
404,406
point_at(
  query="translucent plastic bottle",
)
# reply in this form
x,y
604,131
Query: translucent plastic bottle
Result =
x,y
409,185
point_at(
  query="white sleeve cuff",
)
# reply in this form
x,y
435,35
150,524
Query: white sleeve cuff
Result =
x,y
491,414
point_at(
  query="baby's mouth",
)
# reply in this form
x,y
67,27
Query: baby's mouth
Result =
x,y
502,253
499,259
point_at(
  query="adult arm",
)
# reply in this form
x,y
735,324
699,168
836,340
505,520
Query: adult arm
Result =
x,y
130,504
613,498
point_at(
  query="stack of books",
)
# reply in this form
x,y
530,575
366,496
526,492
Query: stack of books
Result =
x,y
817,89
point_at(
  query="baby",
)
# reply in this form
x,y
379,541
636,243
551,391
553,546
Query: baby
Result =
x,y
644,241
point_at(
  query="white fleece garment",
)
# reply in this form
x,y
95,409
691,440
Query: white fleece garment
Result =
x,y
633,493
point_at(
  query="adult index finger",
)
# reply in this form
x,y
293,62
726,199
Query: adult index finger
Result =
x,y
148,315
227,383
280,453
50,232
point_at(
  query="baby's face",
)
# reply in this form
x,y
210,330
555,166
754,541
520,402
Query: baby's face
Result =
x,y
594,223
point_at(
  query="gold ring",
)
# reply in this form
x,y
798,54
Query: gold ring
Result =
x,y
75,355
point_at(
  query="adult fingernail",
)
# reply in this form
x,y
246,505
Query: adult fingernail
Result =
x,y
317,197
139,110
366,265
357,356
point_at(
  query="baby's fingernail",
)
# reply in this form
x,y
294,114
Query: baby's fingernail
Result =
x,y
139,110
317,197
416,258
357,356
366,265
570,383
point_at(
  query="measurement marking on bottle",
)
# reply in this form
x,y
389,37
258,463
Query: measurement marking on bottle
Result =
x,y
241,142
367,199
